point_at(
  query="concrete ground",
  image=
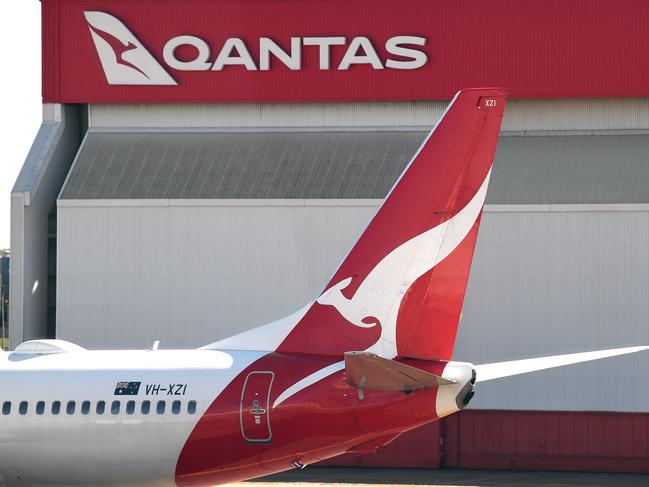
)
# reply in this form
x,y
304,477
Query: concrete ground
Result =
x,y
362,477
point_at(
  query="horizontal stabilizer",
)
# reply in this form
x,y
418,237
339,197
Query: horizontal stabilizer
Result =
x,y
515,367
368,371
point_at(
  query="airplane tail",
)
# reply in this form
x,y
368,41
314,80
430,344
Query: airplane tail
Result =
x,y
399,292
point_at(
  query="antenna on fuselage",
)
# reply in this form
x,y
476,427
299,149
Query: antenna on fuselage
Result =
x,y
155,346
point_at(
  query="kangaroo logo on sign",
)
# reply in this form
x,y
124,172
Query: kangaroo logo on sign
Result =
x,y
123,57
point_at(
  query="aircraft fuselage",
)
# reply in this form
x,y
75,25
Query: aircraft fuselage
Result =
x,y
191,417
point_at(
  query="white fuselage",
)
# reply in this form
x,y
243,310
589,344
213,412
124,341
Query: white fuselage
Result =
x,y
81,445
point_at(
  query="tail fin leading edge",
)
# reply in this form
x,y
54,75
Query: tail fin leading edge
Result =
x,y
400,290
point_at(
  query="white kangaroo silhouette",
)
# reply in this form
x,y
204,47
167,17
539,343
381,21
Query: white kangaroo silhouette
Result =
x,y
378,298
123,57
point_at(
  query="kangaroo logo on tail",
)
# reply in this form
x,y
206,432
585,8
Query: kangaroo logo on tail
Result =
x,y
400,289
123,57
348,308
378,298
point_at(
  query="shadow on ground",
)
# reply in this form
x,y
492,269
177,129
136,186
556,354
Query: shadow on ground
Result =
x,y
429,477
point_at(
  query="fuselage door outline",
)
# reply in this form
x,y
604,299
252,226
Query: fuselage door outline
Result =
x,y
254,407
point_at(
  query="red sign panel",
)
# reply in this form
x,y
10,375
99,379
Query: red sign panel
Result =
x,y
329,50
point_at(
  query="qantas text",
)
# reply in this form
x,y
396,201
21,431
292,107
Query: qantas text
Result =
x,y
402,53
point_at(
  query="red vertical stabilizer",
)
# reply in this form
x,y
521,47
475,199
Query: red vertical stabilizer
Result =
x,y
400,290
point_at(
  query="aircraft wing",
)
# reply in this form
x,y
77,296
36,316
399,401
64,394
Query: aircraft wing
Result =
x,y
515,367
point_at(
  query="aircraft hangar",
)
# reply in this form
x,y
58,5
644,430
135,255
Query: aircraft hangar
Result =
x,y
190,207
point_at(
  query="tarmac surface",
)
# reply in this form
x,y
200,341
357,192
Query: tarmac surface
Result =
x,y
362,477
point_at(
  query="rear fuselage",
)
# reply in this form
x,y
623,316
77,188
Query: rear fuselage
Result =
x,y
193,417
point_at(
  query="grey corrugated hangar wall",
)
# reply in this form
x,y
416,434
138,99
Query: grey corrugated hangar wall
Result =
x,y
188,235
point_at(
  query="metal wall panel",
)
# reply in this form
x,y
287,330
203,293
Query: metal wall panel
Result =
x,y
417,448
33,198
546,283
573,169
521,115
534,440
228,165
191,275
518,440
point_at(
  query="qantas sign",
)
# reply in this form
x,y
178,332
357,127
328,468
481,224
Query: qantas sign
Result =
x,y
366,360
126,61
259,51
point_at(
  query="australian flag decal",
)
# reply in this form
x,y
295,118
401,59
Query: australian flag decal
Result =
x,y
127,388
